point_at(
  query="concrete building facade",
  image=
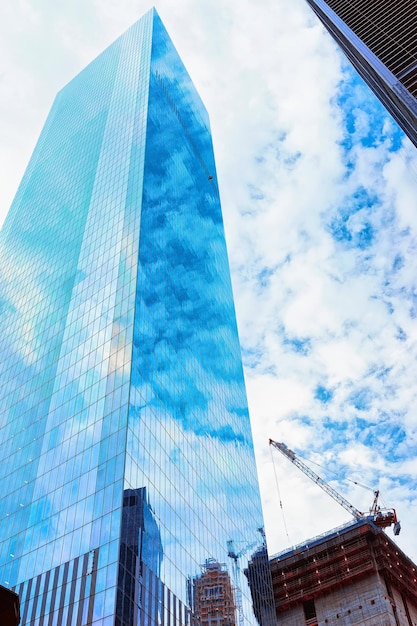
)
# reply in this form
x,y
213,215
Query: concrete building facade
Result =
x,y
354,576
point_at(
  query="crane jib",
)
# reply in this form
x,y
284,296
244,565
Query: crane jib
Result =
x,y
381,518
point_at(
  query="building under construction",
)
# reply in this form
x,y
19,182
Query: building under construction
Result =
x,y
211,596
355,575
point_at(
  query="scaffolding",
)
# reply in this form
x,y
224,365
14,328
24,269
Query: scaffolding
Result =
x,y
213,598
339,559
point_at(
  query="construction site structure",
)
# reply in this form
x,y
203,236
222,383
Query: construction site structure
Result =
x,y
212,597
352,576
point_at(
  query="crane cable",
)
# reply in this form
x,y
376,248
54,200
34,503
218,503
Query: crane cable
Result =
x,y
350,480
279,495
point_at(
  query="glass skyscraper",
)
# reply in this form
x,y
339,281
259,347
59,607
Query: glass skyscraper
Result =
x,y
380,40
127,461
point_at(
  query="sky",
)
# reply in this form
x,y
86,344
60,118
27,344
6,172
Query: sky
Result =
x,y
318,190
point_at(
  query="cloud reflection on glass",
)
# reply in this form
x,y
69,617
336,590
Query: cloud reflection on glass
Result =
x,y
125,430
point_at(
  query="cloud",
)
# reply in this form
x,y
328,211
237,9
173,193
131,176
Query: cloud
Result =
x,y
318,194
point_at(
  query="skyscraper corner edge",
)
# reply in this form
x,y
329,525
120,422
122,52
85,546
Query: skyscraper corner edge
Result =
x,y
124,426
387,85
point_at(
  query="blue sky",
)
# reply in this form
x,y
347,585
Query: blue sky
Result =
x,y
318,190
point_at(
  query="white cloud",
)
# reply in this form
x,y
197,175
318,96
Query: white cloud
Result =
x,y
269,77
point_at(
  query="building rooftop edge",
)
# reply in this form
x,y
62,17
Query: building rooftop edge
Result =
x,y
317,539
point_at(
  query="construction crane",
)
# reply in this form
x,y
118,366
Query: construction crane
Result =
x,y
231,552
379,517
235,556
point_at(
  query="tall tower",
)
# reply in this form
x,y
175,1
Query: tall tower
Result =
x,y
380,40
125,444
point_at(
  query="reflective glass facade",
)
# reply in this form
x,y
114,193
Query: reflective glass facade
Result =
x,y
379,38
127,458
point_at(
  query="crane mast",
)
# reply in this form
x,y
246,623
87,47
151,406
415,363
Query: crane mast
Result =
x,y
380,518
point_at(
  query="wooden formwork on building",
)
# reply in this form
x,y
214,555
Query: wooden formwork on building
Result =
x,y
337,560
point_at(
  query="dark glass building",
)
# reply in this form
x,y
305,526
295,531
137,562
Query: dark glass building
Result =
x,y
379,37
126,452
9,607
